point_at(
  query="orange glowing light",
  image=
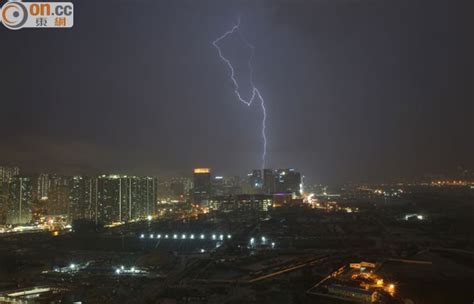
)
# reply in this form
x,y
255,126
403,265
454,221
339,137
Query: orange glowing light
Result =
x,y
202,170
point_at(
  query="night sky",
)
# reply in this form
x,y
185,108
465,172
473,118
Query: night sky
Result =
x,y
356,90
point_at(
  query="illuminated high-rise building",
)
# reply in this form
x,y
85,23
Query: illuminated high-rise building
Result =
x,y
91,205
142,196
269,178
282,181
218,185
3,203
58,196
8,172
43,186
288,181
225,185
119,198
255,180
202,185
177,188
20,200
77,197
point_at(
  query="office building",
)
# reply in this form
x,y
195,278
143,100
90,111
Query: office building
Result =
x,y
269,178
218,186
288,181
202,186
255,181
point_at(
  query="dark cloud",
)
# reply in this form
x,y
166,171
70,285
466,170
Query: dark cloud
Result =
x,y
355,90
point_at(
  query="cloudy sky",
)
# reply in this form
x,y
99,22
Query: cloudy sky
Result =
x,y
355,89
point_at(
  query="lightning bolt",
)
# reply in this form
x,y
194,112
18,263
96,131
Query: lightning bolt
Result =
x,y
255,92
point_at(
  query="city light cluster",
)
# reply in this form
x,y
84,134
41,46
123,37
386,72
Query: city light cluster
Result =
x,y
71,268
262,241
131,270
414,216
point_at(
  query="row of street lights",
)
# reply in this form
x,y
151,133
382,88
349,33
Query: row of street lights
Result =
x,y
185,236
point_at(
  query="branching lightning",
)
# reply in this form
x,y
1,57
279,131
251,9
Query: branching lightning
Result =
x,y
255,92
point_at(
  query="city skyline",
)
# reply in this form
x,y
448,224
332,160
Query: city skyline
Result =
x,y
116,198
237,151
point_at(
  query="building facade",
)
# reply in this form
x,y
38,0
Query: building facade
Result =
x,y
119,198
20,200
269,178
8,172
288,181
202,186
255,180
